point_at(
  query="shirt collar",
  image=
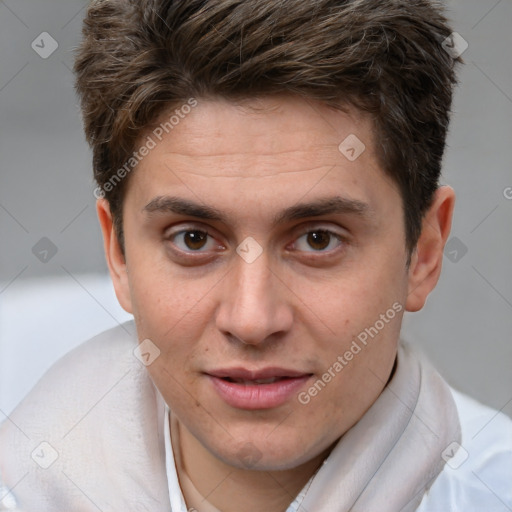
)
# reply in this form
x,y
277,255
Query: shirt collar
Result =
x,y
176,495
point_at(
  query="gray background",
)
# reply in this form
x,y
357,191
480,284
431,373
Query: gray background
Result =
x,y
46,191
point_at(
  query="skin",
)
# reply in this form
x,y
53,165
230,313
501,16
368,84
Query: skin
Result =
x,y
298,306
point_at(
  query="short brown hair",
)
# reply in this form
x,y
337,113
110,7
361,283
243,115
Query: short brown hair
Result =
x,y
139,58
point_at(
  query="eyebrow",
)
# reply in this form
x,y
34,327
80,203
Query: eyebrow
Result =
x,y
324,206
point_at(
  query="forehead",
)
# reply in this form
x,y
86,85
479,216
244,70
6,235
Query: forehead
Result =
x,y
264,136
253,160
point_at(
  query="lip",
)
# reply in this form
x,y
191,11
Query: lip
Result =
x,y
263,373
253,396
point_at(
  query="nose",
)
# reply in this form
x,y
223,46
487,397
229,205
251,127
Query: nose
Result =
x,y
255,304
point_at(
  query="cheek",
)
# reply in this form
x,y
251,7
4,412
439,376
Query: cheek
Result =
x,y
338,309
163,300
360,317
173,314
174,322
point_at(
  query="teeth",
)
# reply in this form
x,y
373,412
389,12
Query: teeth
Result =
x,y
265,381
256,381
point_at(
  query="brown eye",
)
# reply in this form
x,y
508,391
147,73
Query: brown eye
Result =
x,y
195,239
190,240
318,240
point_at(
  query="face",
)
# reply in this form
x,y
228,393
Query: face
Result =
x,y
269,267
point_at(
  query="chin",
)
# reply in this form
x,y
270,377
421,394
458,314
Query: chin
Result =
x,y
278,455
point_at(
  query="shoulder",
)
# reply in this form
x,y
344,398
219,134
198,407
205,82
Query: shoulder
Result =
x,y
74,381
478,472
83,371
79,422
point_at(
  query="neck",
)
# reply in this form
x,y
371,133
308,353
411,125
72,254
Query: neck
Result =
x,y
229,489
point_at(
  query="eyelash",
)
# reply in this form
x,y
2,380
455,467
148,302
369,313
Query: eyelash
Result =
x,y
333,235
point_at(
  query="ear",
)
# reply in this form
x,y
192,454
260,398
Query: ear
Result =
x,y
427,257
114,256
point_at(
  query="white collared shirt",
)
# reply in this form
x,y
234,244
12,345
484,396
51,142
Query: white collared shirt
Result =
x,y
482,482
175,492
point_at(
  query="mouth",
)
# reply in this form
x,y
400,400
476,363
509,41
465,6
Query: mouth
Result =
x,y
255,382
257,389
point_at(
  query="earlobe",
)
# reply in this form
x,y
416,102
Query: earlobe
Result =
x,y
114,255
427,258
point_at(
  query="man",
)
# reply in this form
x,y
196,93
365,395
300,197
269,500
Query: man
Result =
x,y
268,192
